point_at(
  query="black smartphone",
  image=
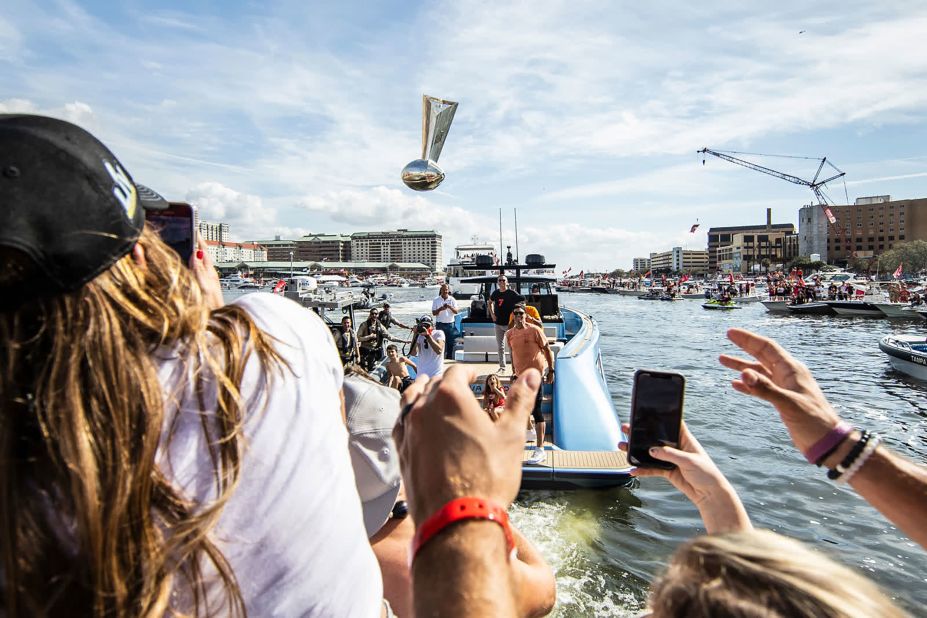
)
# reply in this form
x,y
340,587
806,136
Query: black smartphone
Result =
x,y
176,225
656,415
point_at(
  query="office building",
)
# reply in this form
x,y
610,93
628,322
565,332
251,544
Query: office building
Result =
x,y
324,248
278,250
424,246
235,251
864,229
679,260
763,236
640,265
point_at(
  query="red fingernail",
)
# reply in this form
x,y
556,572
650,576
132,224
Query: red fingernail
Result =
x,y
199,254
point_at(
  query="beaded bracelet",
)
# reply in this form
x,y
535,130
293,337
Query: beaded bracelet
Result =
x,y
866,454
848,461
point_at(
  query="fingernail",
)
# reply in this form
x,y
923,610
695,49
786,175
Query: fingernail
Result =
x,y
199,254
653,450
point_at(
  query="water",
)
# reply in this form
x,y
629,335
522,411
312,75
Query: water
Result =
x,y
606,546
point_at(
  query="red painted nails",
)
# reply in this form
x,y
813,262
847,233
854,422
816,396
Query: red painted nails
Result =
x,y
199,254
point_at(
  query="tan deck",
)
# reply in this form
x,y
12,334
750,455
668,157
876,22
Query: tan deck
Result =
x,y
581,460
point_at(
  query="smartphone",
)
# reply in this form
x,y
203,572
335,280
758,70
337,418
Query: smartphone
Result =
x,y
176,224
656,415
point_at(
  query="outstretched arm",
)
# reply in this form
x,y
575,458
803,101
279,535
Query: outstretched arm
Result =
x,y
892,484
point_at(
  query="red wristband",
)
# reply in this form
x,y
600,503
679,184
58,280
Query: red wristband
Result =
x,y
460,509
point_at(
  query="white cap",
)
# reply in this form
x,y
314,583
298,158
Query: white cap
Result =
x,y
371,410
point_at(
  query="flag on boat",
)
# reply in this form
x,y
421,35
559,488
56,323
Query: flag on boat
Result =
x,y
581,274
683,278
730,277
897,273
860,292
646,274
693,228
567,271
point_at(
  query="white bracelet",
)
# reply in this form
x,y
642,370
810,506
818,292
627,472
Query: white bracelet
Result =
x,y
871,446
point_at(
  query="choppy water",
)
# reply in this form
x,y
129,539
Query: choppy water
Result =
x,y
605,546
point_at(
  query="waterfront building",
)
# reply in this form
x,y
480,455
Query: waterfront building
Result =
x,y
640,265
214,231
868,227
324,248
679,260
278,249
283,268
752,252
765,239
402,245
235,251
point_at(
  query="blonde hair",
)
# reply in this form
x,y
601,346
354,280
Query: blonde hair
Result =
x,y
89,524
761,573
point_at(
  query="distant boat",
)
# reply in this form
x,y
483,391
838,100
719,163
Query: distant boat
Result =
x,y
719,305
811,309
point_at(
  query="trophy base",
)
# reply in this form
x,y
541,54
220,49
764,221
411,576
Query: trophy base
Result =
x,y
422,175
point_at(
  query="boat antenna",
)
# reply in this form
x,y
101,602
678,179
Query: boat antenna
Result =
x,y
500,236
516,234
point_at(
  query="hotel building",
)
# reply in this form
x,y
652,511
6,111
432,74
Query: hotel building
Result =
x,y
424,246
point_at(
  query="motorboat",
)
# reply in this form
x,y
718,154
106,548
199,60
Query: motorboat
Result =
x,y
812,308
907,354
776,305
583,427
898,310
631,291
855,308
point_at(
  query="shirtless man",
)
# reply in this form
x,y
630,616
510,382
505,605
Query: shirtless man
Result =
x,y
530,350
399,377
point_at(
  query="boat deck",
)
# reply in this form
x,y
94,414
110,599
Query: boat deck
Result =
x,y
581,460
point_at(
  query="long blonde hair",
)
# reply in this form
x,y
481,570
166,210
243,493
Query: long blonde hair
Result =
x,y
88,523
761,573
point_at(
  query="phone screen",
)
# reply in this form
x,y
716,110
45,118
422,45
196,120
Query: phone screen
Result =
x,y
175,226
656,415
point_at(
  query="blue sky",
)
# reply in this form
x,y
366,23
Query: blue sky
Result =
x,y
295,117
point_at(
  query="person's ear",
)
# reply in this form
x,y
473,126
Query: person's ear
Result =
x,y
138,254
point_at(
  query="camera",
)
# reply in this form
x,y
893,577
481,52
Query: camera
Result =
x,y
423,325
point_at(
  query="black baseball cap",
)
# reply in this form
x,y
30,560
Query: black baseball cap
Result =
x,y
68,208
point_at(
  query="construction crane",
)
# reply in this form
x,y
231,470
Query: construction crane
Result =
x,y
815,184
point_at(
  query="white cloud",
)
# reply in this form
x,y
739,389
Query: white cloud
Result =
x,y
246,214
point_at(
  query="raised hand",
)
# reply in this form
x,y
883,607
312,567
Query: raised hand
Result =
x,y
697,476
777,377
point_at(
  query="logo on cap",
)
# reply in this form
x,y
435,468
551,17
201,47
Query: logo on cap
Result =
x,y
124,190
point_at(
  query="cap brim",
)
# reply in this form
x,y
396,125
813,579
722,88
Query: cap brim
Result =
x,y
377,510
150,199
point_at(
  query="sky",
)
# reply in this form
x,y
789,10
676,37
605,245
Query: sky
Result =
x,y
293,117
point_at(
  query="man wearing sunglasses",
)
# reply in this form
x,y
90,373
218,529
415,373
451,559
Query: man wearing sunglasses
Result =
x,y
530,350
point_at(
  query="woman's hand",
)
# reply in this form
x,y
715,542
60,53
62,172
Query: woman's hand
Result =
x,y
697,476
204,271
777,377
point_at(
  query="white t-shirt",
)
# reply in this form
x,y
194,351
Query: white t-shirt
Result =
x,y
292,529
445,315
428,361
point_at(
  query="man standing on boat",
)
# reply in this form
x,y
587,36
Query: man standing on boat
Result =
x,y
387,319
371,334
530,350
501,303
444,308
428,348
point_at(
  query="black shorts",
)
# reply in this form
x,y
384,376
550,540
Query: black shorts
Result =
x,y
406,383
536,412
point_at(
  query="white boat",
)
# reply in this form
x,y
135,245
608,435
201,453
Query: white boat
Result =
x,y
907,354
897,310
855,308
776,304
332,281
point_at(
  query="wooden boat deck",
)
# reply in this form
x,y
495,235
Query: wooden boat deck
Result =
x,y
581,460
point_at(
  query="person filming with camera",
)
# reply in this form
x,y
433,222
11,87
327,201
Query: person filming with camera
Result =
x,y
428,347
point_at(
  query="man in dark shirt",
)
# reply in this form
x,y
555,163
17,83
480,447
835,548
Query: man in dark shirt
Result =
x,y
501,303
387,319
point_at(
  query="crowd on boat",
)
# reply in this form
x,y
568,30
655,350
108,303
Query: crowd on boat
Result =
x,y
167,454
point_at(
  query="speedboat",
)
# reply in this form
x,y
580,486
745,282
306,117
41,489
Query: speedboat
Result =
x,y
855,308
907,354
776,305
583,427
897,310
812,308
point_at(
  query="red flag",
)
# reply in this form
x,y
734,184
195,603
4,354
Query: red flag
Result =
x,y
860,292
581,274
897,273
684,278
664,278
730,277
646,274
693,228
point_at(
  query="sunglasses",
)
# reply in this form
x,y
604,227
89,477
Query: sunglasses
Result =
x,y
519,312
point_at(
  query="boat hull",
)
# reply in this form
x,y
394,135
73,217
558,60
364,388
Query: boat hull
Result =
x,y
720,307
776,306
897,310
855,308
811,309
907,354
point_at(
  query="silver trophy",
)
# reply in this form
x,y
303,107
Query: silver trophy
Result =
x,y
424,174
